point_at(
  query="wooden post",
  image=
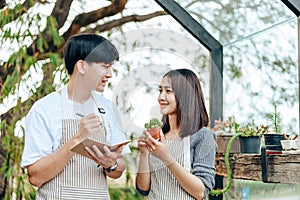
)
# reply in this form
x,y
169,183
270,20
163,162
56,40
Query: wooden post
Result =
x,y
298,22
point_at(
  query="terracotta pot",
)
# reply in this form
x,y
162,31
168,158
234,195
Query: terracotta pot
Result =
x,y
154,132
222,141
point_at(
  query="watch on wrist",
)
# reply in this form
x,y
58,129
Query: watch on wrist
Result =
x,y
112,168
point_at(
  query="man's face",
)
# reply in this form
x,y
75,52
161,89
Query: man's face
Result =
x,y
97,75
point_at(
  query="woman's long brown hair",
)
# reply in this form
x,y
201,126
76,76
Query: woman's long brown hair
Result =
x,y
191,110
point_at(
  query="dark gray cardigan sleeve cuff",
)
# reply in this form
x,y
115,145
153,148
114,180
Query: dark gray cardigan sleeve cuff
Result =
x,y
142,192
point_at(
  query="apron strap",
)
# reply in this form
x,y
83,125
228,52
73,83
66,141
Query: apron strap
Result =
x,y
103,117
186,149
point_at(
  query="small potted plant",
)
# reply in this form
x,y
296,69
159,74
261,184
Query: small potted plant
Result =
x,y
289,143
154,128
273,138
225,129
297,143
250,137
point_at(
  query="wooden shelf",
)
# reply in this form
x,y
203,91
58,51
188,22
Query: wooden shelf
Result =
x,y
280,168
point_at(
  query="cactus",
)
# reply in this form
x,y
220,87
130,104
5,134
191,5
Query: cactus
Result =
x,y
276,120
154,128
154,123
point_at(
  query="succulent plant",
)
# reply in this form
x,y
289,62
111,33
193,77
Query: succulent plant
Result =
x,y
154,128
153,123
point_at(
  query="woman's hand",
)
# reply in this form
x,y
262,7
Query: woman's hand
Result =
x,y
159,149
142,145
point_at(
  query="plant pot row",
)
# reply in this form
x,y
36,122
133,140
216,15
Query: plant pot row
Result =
x,y
250,144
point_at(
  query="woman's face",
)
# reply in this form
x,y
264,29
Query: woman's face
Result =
x,y
166,98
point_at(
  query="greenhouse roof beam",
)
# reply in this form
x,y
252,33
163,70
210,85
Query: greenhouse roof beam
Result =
x,y
293,5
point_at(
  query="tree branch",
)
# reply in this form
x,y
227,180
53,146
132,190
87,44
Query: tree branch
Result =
x,y
61,11
124,20
79,21
85,19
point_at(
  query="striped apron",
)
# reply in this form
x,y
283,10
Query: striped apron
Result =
x,y
80,179
164,185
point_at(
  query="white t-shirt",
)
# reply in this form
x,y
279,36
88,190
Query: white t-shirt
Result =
x,y
43,124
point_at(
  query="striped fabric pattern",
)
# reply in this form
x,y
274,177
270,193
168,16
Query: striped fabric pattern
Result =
x,y
164,185
80,179
71,193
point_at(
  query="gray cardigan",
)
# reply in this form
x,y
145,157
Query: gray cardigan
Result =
x,y
203,151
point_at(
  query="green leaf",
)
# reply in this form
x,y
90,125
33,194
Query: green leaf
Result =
x,y
6,88
147,125
28,62
40,44
54,59
18,8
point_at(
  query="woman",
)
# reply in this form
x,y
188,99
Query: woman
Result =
x,y
181,165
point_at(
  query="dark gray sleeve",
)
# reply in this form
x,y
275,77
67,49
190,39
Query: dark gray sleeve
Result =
x,y
203,152
142,192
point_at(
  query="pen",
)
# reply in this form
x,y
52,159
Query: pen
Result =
x,y
79,114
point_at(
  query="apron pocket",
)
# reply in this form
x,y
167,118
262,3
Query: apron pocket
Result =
x,y
75,193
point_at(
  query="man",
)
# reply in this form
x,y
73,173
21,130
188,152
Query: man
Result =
x,y
62,119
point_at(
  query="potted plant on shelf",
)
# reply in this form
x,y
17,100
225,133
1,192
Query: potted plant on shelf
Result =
x,y
289,143
250,137
273,138
225,129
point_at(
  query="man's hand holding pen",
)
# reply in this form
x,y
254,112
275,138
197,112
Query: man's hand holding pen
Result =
x,y
88,126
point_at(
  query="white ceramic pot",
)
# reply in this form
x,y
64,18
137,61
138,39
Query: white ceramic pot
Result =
x,y
288,144
297,143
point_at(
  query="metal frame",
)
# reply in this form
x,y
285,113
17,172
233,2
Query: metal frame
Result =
x,y
216,54
294,6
